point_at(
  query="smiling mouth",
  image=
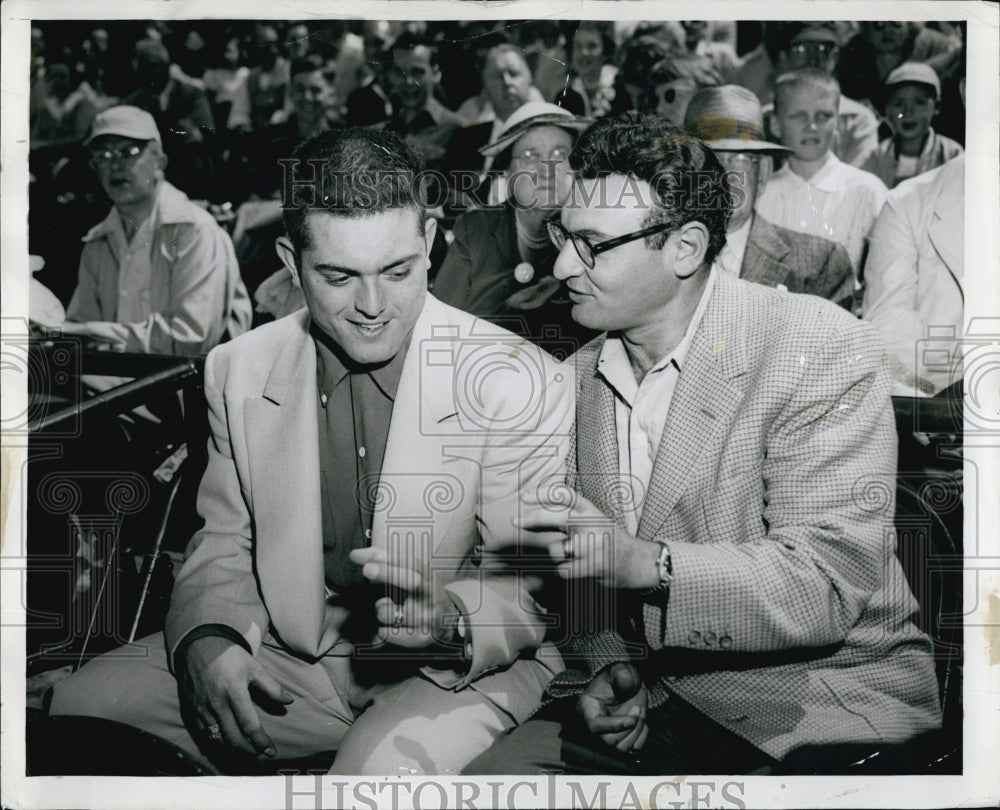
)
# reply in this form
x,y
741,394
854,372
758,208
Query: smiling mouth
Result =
x,y
370,329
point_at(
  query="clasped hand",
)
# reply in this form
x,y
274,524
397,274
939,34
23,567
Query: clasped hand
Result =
x,y
426,615
613,706
584,542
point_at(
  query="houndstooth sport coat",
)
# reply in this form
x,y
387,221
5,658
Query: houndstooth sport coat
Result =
x,y
788,619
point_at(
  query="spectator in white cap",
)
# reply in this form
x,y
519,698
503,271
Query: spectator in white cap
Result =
x,y
730,120
911,102
157,275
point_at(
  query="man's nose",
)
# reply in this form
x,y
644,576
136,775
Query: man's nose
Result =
x,y
568,263
370,300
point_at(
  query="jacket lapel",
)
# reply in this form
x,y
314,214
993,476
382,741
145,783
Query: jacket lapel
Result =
x,y
941,230
764,258
415,446
282,436
597,470
707,394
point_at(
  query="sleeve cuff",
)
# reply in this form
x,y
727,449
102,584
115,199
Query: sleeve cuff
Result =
x,y
204,630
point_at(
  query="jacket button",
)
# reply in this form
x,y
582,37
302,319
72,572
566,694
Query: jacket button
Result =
x,y
694,637
710,638
726,642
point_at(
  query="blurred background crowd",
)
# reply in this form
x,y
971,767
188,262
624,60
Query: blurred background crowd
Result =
x,y
232,98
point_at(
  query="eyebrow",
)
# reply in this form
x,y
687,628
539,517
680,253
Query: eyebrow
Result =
x,y
330,269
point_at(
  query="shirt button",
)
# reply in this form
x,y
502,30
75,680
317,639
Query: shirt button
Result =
x,y
361,452
322,399
726,642
368,534
694,637
710,638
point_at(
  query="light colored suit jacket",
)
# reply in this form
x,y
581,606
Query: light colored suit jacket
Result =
x,y
914,273
478,417
789,618
800,262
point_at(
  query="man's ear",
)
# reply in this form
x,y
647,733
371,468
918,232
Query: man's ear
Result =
x,y
764,172
286,252
430,229
685,250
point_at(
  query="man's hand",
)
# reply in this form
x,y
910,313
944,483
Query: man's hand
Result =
x,y
584,542
114,334
426,615
614,707
218,679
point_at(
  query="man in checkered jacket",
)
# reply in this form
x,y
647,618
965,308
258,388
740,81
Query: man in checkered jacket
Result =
x,y
733,475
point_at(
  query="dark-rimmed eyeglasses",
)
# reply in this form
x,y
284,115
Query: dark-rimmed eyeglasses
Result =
x,y
126,154
586,250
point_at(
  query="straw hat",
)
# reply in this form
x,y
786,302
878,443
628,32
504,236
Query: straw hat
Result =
x,y
533,114
729,118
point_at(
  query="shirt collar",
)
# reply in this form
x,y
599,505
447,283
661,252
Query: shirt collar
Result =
x,y
828,178
736,242
613,363
172,207
333,366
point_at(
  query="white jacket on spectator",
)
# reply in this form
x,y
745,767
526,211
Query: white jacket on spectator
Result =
x,y
191,294
913,276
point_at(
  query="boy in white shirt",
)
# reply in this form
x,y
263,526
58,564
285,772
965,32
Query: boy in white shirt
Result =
x,y
814,192
912,101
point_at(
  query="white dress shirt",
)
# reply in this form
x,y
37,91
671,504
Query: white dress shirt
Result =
x,y
730,258
839,203
641,407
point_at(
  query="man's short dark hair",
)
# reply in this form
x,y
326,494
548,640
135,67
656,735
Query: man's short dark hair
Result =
x,y
685,175
408,41
352,172
310,63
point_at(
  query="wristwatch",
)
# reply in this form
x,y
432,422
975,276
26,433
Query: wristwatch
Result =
x,y
663,566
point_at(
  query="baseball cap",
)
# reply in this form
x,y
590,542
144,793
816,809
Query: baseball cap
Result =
x,y
126,122
916,72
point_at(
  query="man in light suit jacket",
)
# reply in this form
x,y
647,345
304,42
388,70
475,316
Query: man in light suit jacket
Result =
x,y
914,276
365,454
729,444
730,120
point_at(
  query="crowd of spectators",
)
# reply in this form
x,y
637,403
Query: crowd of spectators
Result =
x,y
854,110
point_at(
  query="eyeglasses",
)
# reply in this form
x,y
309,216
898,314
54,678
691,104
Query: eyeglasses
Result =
x,y
737,161
127,154
532,157
821,48
586,250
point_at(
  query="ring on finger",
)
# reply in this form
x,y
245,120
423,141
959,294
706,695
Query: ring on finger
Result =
x,y
214,733
568,548
398,618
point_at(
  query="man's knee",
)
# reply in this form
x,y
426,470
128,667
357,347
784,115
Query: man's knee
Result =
x,y
532,748
130,684
418,727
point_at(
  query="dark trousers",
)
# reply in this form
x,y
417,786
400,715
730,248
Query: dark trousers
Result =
x,y
681,740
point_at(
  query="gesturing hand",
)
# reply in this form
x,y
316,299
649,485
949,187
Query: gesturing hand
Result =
x,y
584,542
216,678
613,706
426,616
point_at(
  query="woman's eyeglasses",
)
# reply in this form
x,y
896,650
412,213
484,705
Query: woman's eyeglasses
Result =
x,y
587,250
533,157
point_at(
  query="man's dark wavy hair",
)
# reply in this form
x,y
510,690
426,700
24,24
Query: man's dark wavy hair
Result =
x,y
352,172
686,176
